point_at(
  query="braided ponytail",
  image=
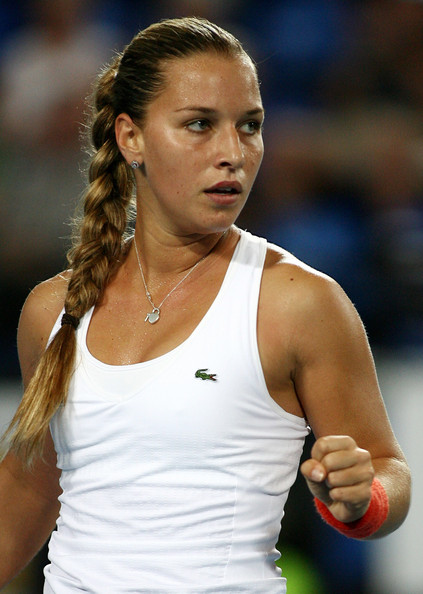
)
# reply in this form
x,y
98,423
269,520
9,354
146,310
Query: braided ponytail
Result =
x,y
92,260
128,85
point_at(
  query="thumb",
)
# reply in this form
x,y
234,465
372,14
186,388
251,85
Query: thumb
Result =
x,y
313,471
315,475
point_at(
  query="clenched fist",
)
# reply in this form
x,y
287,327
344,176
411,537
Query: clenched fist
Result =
x,y
340,474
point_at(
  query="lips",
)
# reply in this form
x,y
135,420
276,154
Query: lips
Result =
x,y
225,188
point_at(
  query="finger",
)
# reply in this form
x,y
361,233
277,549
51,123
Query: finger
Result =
x,y
354,496
315,475
331,443
313,470
350,476
343,459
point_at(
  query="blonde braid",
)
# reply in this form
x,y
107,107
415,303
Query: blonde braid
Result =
x,y
93,259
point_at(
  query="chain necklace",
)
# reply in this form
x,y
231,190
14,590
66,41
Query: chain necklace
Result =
x,y
154,315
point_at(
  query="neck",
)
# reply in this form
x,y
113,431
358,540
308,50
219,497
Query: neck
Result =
x,y
164,255
155,282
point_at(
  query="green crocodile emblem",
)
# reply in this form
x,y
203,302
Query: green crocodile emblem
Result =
x,y
202,374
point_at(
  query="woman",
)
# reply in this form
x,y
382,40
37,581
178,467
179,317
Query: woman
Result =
x,y
186,363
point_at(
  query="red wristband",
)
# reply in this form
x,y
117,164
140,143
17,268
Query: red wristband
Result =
x,y
369,523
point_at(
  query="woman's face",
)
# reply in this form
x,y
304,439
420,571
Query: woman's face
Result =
x,y
201,145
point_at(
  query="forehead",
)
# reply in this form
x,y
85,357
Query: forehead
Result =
x,y
208,78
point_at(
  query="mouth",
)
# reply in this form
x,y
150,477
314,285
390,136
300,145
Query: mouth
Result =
x,y
225,190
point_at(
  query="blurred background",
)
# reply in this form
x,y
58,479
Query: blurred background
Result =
x,y
341,186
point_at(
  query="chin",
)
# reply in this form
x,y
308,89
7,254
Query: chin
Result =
x,y
218,224
223,219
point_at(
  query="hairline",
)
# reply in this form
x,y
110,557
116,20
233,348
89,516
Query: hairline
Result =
x,y
226,53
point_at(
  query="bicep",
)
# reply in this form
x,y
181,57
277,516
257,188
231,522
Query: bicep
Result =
x,y
335,376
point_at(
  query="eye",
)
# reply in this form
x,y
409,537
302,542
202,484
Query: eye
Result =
x,y
198,125
251,127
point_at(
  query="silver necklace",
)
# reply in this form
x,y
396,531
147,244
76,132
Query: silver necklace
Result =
x,y
154,315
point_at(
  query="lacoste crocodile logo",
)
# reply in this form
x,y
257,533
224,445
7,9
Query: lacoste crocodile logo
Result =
x,y
202,374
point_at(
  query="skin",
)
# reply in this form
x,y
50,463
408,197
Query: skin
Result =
x,y
203,129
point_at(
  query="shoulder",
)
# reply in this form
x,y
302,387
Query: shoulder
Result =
x,y
38,316
304,303
285,277
45,302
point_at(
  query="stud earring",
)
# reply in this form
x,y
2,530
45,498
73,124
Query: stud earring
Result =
x,y
135,164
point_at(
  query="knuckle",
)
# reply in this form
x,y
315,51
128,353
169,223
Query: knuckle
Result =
x,y
351,441
335,479
363,455
322,445
330,481
337,494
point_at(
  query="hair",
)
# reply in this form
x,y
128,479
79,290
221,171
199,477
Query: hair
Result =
x,y
128,84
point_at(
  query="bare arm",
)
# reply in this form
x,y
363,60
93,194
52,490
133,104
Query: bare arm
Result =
x,y
319,364
29,504
336,382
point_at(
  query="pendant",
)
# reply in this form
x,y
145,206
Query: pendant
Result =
x,y
153,316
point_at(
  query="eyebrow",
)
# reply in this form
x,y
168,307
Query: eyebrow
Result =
x,y
208,110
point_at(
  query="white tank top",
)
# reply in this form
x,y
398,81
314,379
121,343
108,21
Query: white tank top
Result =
x,y
175,471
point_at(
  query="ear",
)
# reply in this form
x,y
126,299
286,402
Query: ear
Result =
x,y
129,138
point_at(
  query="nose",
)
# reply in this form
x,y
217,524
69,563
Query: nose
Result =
x,y
230,151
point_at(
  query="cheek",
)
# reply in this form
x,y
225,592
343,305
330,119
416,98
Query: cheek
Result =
x,y
170,175
165,155
161,166
255,159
